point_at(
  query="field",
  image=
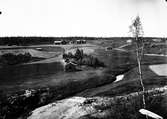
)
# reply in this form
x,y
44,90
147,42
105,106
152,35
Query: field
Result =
x,y
47,79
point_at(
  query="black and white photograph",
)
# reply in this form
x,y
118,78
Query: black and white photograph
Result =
x,y
83,59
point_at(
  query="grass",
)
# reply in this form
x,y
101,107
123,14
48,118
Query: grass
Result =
x,y
126,107
50,49
64,87
130,83
94,82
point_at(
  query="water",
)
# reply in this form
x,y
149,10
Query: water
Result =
x,y
119,78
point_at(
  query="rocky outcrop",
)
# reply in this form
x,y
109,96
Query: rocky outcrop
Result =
x,y
122,107
68,108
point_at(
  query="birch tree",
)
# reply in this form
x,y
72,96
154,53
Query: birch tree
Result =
x,y
137,32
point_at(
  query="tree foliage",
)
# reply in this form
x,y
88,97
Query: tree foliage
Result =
x,y
136,27
12,59
81,58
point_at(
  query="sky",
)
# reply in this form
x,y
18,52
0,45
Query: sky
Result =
x,y
97,18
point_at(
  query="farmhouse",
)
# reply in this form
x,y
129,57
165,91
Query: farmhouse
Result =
x,y
72,42
70,67
81,41
59,42
84,41
129,41
156,40
108,48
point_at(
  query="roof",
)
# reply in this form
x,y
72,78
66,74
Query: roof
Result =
x,y
57,41
71,63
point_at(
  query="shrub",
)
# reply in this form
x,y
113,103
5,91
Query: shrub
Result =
x,y
12,59
68,56
83,59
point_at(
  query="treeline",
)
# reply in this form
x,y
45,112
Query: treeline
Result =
x,y
38,40
49,40
13,59
25,40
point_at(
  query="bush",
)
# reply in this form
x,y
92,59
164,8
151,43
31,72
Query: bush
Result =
x,y
83,59
68,56
92,61
12,59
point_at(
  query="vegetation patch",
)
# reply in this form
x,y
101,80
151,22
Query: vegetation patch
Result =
x,y
13,59
126,107
80,58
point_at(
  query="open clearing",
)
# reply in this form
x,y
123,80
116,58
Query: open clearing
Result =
x,y
49,74
117,62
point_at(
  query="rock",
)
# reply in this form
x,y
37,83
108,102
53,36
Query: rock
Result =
x,y
64,109
71,108
99,107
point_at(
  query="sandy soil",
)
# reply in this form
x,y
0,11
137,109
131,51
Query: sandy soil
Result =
x,y
160,69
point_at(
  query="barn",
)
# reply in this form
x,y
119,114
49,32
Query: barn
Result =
x,y
70,67
58,42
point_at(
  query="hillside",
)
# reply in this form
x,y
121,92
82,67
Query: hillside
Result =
x,y
119,107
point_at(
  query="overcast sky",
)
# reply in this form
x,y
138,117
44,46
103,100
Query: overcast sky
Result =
x,y
105,18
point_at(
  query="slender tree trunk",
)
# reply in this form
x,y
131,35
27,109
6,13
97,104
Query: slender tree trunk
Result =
x,y
139,54
136,29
